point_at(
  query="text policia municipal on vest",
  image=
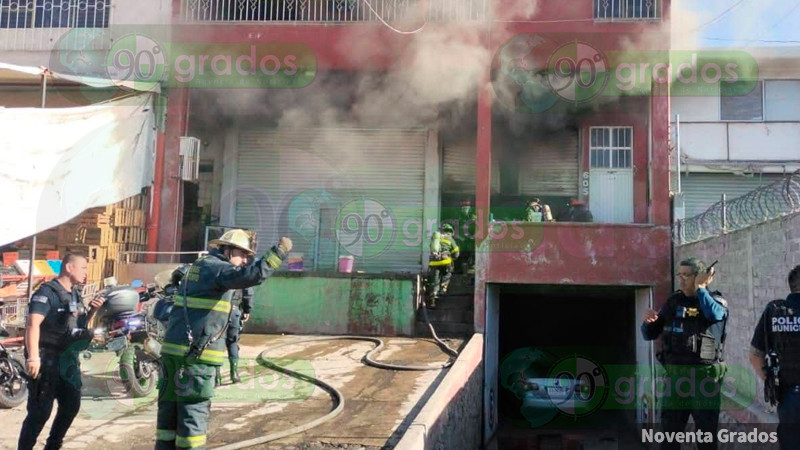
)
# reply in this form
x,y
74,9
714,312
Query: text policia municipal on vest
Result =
x,y
699,436
786,324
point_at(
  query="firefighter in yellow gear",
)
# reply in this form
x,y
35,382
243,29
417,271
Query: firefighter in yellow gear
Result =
x,y
194,345
444,252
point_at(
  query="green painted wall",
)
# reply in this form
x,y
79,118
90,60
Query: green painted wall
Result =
x,y
334,304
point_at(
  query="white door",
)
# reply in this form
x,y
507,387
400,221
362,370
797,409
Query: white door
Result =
x,y
611,174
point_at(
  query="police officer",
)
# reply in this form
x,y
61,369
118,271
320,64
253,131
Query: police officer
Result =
x,y
778,331
444,250
692,328
55,333
240,313
193,347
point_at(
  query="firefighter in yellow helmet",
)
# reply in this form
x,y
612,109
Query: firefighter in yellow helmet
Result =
x,y
195,340
444,251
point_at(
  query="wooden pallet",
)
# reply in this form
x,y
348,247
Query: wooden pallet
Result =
x,y
93,253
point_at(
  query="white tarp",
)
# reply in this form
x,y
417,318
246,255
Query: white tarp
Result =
x,y
57,162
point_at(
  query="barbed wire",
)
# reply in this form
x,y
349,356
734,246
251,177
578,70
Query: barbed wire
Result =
x,y
765,203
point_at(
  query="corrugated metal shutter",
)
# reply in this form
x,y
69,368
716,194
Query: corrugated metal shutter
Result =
x,y
701,190
551,167
285,176
458,168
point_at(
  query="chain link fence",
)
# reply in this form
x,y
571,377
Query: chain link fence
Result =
x,y
761,205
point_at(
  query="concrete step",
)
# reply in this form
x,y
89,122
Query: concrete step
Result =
x,y
461,285
459,302
444,329
448,315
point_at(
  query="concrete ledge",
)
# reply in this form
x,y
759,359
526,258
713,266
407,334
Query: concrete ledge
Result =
x,y
440,416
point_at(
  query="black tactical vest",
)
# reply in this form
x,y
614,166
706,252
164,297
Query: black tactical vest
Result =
x,y
56,329
688,337
782,333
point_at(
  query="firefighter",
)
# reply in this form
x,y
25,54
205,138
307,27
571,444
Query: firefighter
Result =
x,y
538,212
467,220
777,337
692,328
55,334
576,211
240,313
444,251
193,347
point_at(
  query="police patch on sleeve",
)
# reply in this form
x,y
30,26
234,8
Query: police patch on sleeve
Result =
x,y
40,299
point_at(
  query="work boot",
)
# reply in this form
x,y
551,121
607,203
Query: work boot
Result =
x,y
431,303
234,362
218,378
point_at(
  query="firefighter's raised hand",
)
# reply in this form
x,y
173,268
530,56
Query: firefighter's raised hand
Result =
x,y
285,244
650,316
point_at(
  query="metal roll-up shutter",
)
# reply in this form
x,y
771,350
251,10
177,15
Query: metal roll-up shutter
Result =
x,y
701,190
458,168
550,167
287,176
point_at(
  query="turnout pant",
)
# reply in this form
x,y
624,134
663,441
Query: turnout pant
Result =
x,y
184,404
438,280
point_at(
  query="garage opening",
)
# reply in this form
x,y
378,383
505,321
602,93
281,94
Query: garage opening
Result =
x,y
560,351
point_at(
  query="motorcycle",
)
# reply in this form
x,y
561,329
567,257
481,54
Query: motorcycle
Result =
x,y
133,332
13,383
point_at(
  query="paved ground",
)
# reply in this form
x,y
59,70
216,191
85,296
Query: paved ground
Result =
x,y
377,402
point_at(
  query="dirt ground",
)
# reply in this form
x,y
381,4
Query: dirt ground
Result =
x,y
378,403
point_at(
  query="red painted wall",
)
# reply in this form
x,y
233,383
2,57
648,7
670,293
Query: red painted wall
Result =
x,y
577,254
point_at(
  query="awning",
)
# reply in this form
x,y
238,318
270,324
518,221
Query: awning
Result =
x,y
14,74
57,162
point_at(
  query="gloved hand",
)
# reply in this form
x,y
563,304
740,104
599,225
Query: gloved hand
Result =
x,y
285,244
81,334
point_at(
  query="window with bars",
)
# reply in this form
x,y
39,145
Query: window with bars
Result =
x,y
611,148
54,13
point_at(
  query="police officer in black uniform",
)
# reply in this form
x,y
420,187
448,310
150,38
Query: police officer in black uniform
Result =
x,y
692,328
55,333
778,331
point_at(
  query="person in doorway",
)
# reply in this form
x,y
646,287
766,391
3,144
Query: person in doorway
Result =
x,y
444,251
55,333
777,337
240,313
193,348
691,325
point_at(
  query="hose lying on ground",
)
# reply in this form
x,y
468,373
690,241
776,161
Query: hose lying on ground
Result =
x,y
335,393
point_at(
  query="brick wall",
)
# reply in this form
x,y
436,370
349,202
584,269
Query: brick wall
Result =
x,y
752,269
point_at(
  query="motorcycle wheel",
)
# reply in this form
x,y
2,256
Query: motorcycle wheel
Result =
x,y
13,390
146,376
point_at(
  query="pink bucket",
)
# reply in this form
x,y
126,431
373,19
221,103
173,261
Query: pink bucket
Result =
x,y
295,262
346,264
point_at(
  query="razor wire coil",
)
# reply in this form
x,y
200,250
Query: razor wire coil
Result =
x,y
763,204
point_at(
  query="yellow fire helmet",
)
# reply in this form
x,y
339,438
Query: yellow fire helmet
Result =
x,y
238,238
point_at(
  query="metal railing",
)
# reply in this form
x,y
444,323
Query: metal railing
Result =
x,y
627,10
54,13
768,202
40,25
333,10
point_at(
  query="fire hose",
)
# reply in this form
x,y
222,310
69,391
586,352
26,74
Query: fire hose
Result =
x,y
335,393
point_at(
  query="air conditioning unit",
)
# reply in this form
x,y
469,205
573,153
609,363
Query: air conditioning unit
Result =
x,y
190,158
